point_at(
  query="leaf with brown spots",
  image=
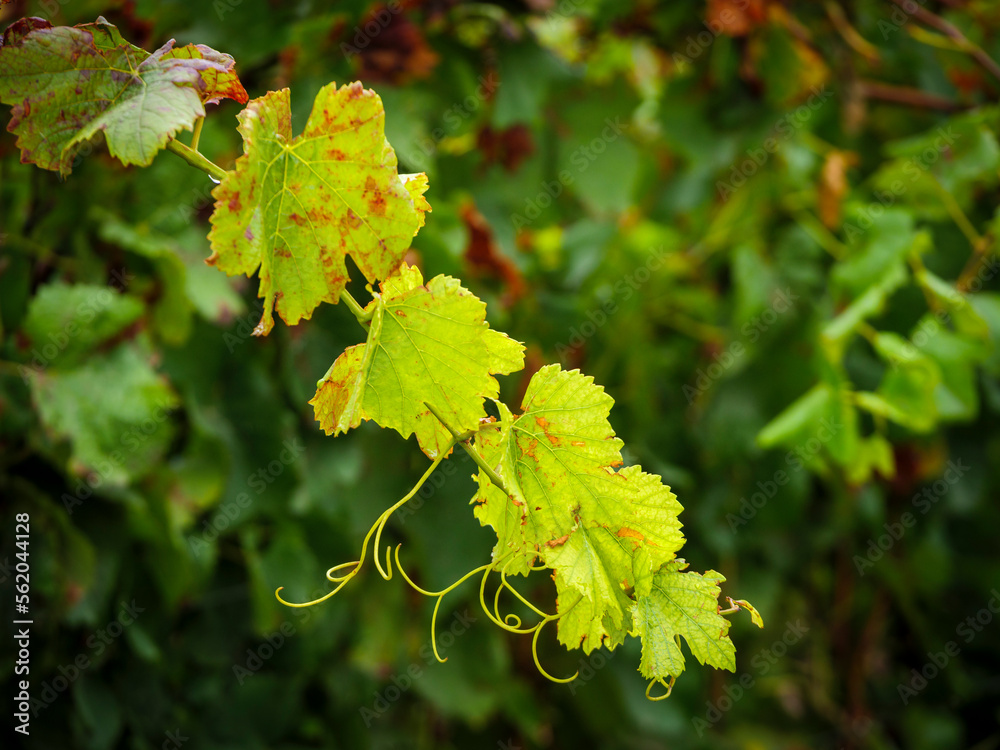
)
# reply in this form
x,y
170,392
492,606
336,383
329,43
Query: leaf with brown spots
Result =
x,y
543,470
605,533
608,564
70,85
653,521
426,343
295,207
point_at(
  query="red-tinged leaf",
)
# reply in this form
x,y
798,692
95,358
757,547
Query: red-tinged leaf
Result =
x,y
397,52
485,258
69,85
221,81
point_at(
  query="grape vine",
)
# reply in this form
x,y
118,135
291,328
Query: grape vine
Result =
x,y
550,479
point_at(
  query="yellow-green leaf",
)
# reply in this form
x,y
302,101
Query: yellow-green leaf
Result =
x,y
295,207
682,603
426,343
557,462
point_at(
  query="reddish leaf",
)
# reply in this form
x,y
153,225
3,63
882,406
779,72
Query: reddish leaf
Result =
x,y
484,258
71,84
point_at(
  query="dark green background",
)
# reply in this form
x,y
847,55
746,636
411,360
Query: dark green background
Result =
x,y
188,527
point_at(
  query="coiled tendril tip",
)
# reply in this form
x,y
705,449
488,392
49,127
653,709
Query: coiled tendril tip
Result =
x,y
659,680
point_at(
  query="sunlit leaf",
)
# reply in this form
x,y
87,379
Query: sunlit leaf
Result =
x,y
426,343
682,603
295,207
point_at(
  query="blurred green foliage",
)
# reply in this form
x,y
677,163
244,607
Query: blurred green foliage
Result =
x,y
769,230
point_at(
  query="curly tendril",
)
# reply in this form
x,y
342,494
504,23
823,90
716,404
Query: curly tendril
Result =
x,y
511,621
376,529
668,684
439,595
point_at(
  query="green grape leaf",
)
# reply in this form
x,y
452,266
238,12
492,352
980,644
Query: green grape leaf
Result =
x,y
71,84
65,322
956,355
837,332
906,393
681,603
798,418
874,454
108,426
596,563
953,303
556,461
883,245
170,315
604,564
505,513
654,521
584,622
295,207
426,343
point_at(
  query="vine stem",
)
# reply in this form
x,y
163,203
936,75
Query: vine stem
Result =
x,y
359,312
976,261
13,368
823,236
196,135
958,215
905,95
920,273
849,33
196,159
952,32
462,440
735,605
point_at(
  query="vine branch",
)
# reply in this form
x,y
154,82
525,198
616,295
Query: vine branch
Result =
x,y
364,318
196,159
905,95
462,440
952,32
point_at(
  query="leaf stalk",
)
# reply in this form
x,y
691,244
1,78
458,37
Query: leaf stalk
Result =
x,y
364,318
196,159
462,440
196,135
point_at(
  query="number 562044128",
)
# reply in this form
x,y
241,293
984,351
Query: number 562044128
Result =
x,y
21,579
